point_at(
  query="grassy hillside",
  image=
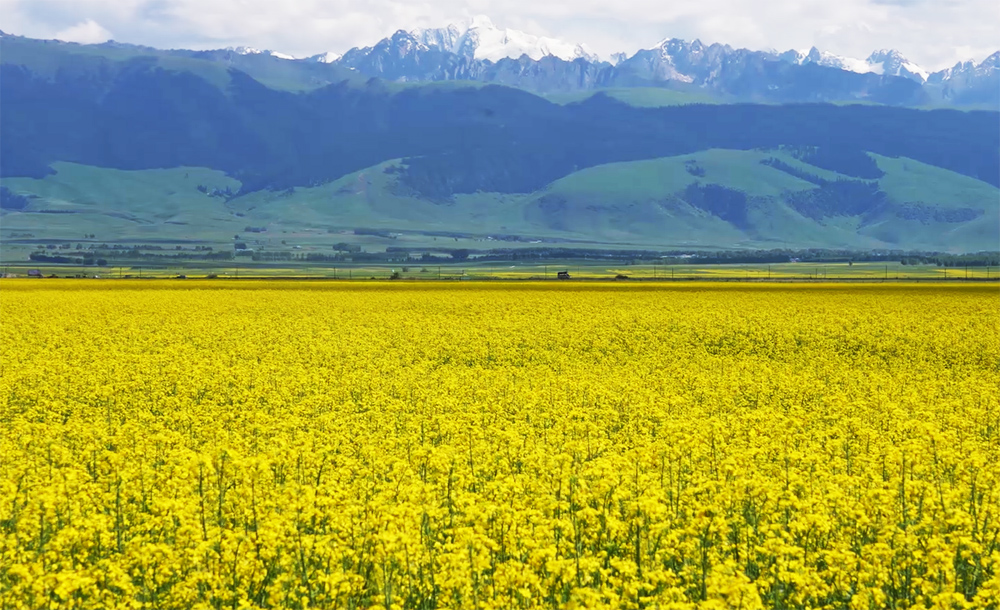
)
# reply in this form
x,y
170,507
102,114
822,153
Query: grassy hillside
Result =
x,y
909,180
647,198
717,198
143,204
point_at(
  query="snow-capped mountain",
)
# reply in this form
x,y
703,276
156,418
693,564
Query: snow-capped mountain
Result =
x,y
479,38
888,62
892,63
829,60
253,51
478,50
617,58
965,70
325,58
969,82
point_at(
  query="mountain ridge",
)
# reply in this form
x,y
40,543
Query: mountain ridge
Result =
x,y
476,50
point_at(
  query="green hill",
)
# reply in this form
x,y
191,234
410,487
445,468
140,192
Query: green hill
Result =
x,y
717,198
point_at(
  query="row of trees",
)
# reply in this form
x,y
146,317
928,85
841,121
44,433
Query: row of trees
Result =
x,y
445,255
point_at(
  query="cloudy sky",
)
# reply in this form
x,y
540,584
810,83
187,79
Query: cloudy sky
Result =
x,y
933,33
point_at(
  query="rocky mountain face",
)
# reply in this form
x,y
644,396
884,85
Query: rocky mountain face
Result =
x,y
480,52
892,63
405,58
968,83
479,38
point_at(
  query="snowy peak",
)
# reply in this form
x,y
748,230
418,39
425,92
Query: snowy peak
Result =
x,y
671,47
446,39
481,21
253,51
892,63
617,58
792,56
403,43
966,70
823,58
886,61
325,58
478,38
992,62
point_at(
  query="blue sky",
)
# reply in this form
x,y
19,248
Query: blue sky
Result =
x,y
933,33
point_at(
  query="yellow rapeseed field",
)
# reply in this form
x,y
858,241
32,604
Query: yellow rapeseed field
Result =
x,y
294,445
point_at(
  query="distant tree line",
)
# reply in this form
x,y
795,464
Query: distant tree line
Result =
x,y
540,254
90,258
86,261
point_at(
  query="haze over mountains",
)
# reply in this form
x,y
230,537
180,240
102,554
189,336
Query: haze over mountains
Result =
x,y
682,144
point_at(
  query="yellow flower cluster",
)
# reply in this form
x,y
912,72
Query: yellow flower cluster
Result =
x,y
286,445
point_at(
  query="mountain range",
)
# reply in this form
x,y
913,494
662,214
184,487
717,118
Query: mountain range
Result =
x,y
668,146
476,50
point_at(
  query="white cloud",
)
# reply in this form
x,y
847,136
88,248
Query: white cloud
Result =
x,y
87,32
935,33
